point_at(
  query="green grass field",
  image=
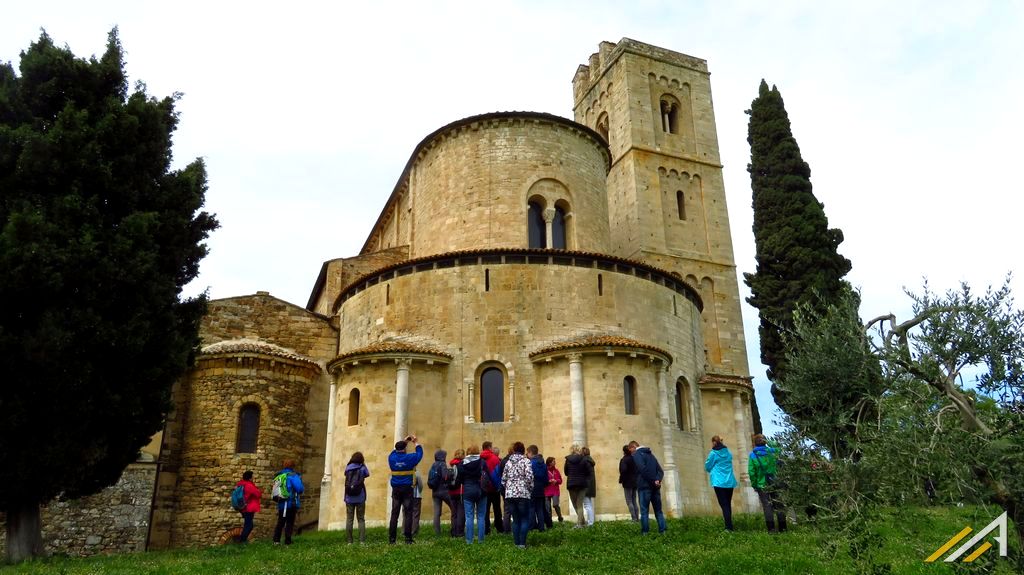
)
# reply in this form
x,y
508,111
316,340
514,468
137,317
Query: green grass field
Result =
x,y
696,545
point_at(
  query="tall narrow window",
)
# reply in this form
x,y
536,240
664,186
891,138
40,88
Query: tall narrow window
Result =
x,y
387,294
487,280
629,394
492,395
353,407
600,285
558,229
683,417
537,229
248,428
681,204
669,116
602,126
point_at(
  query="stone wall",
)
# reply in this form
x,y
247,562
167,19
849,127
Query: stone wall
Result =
x,y
115,520
266,318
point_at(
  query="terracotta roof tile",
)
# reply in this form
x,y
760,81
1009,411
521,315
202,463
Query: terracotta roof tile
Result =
x,y
393,346
599,341
236,346
743,380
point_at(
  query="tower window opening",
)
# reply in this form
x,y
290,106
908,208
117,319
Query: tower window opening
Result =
x,y
669,117
681,204
387,294
487,280
353,407
629,395
535,224
558,229
600,284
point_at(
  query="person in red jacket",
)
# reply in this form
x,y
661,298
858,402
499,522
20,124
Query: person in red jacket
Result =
x,y
490,456
252,504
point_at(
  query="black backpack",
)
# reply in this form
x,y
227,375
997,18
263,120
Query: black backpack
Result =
x,y
436,477
354,482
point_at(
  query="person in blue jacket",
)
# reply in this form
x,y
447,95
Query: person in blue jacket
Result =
x,y
719,466
403,467
288,507
649,475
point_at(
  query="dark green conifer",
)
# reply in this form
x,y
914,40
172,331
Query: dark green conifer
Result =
x,y
97,238
796,250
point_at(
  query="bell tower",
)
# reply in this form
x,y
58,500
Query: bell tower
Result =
x,y
666,196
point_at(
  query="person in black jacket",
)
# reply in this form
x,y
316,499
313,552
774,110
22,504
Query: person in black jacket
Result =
x,y
627,478
648,484
541,519
474,500
577,473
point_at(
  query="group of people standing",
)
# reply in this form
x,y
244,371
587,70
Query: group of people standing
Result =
x,y
475,482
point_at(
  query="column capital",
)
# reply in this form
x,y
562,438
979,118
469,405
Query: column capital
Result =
x,y
403,363
549,215
574,357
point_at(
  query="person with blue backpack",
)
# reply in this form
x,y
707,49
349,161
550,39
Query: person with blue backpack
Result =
x,y
287,489
246,500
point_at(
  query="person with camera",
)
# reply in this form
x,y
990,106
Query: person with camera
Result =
x,y
403,468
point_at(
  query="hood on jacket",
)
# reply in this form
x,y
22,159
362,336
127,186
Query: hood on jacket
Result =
x,y
574,458
440,455
352,466
470,458
643,449
762,450
719,446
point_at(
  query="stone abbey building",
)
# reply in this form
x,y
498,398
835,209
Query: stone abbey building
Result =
x,y
529,278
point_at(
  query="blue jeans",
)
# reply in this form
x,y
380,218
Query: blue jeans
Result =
x,y
246,527
522,518
651,497
475,510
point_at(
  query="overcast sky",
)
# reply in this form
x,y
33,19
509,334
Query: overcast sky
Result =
x,y
909,114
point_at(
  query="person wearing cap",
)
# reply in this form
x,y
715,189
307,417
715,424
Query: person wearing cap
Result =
x,y
403,467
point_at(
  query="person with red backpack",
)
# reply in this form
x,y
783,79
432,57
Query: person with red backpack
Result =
x,y
356,473
251,496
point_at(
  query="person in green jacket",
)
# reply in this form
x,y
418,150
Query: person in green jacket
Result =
x,y
762,467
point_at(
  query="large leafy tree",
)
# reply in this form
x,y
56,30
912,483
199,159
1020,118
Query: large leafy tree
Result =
x,y
98,238
797,258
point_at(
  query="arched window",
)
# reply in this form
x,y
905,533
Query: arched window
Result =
x,y
629,395
681,204
353,407
492,395
602,126
537,229
669,114
682,399
248,428
558,229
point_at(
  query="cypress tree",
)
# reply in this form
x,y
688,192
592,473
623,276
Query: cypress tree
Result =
x,y
97,238
797,259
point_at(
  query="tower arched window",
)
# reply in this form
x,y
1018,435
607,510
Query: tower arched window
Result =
x,y
535,223
558,229
669,115
248,428
629,395
682,401
602,126
492,395
353,407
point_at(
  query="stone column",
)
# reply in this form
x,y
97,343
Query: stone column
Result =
x,y
672,492
743,447
576,400
402,399
325,483
549,216
512,400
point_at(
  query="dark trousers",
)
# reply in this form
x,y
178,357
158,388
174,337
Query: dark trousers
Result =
x,y
541,519
522,511
772,506
286,522
458,516
494,503
401,502
246,526
631,502
724,495
440,500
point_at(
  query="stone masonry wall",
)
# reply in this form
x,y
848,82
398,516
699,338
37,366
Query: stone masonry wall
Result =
x,y
115,520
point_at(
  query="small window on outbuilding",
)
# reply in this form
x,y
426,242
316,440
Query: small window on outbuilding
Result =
x,y
492,395
248,428
353,407
629,395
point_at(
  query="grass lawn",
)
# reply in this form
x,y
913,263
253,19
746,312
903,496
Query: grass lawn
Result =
x,y
696,545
